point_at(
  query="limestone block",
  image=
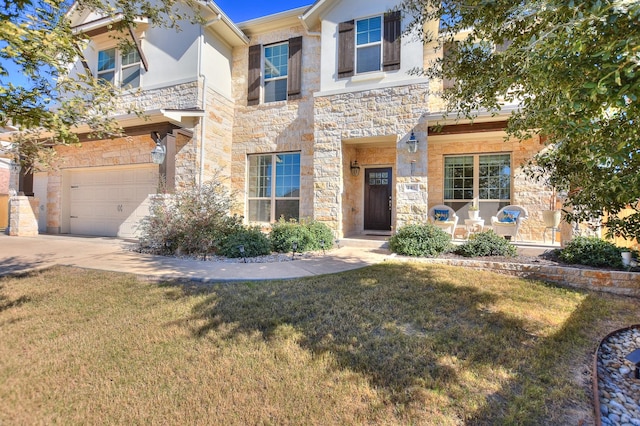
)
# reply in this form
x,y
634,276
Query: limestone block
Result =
x,y
23,221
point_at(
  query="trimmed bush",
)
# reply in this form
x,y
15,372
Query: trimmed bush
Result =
x,y
307,234
420,240
255,243
591,251
486,244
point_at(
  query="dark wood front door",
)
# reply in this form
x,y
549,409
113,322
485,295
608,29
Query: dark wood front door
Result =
x,y
377,199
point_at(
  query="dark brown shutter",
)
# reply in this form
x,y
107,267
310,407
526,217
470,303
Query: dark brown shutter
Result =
x,y
253,79
447,83
294,77
346,49
392,41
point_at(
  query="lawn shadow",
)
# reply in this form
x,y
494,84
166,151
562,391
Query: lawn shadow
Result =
x,y
416,331
18,266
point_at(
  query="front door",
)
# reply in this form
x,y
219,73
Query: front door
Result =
x,y
377,199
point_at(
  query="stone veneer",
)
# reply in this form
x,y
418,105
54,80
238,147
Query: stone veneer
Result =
x,y
530,195
389,113
23,216
176,96
284,126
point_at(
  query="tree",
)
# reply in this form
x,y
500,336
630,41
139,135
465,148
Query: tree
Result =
x,y
40,45
573,69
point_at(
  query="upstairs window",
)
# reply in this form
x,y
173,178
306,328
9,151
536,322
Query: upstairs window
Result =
x,y
276,58
119,69
275,72
107,65
369,45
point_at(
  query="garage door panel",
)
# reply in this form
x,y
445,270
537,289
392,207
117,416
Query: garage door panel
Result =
x,y
111,202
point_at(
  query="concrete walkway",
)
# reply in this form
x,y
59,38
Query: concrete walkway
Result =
x,y
24,254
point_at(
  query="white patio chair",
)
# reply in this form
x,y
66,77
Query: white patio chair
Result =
x,y
508,220
444,217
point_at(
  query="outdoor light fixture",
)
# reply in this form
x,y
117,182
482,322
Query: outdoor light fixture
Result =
x,y
241,250
355,168
159,152
412,143
294,247
634,357
322,245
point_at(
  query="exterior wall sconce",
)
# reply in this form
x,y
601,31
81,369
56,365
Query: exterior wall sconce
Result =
x,y
159,152
355,168
412,143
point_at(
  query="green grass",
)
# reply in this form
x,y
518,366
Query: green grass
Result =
x,y
389,344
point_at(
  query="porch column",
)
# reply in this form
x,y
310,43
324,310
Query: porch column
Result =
x,y
411,181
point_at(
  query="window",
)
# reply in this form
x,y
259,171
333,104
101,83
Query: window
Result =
x,y
119,69
274,187
485,177
370,44
276,60
107,65
275,72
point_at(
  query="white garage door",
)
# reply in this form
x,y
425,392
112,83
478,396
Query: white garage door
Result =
x,y
111,201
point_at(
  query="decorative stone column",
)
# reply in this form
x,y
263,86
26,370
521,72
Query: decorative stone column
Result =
x,y
412,199
23,216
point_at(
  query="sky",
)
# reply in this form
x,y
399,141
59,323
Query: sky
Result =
x,y
243,10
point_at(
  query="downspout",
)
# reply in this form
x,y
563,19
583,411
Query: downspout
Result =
x,y
203,120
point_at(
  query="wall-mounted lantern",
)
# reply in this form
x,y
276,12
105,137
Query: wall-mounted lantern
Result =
x,y
412,143
355,168
159,152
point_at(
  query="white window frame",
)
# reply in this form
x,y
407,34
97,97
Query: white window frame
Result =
x,y
476,179
367,45
119,68
274,79
273,178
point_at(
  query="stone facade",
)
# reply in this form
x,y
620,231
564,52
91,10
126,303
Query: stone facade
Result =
x,y
284,126
178,96
23,216
530,195
380,121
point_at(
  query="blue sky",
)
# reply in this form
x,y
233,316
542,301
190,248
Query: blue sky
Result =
x,y
242,10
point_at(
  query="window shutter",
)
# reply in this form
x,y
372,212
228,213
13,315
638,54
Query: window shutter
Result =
x,y
346,49
253,79
447,83
392,41
294,76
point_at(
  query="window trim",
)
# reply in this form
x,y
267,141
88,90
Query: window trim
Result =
x,y
118,69
379,43
273,198
476,178
263,73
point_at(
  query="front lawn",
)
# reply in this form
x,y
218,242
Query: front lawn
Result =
x,y
395,343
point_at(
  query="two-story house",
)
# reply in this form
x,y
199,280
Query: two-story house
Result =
x,y
309,113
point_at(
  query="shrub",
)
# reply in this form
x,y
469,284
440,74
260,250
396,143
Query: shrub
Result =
x,y
255,243
191,221
307,234
420,240
591,251
486,244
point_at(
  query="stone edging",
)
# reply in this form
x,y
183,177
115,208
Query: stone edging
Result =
x,y
594,373
616,282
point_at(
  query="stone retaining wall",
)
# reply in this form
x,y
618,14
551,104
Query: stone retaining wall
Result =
x,y
616,282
